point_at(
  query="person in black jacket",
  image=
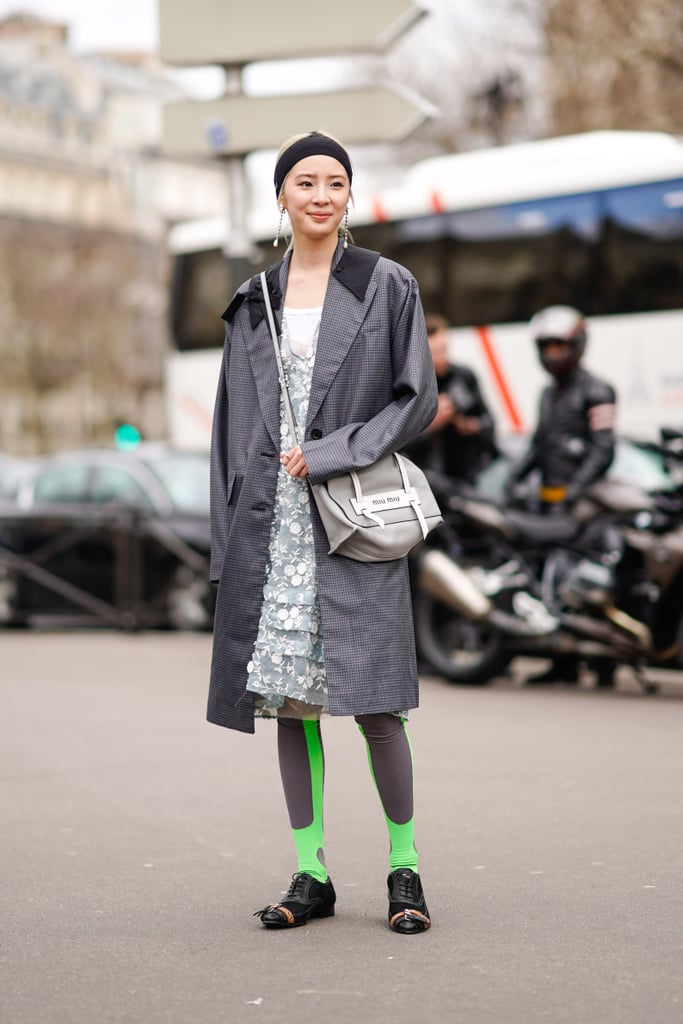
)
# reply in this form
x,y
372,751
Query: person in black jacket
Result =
x,y
460,440
573,444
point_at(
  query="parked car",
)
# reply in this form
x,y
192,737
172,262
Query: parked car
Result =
x,y
122,536
151,476
12,470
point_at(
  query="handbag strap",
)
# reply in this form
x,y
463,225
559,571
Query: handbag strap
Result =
x,y
282,375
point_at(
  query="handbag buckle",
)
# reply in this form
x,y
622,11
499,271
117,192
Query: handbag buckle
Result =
x,y
382,501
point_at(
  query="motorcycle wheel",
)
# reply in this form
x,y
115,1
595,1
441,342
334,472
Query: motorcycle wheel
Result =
x,y
464,652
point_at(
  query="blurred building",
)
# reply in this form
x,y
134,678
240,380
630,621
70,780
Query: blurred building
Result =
x,y
86,199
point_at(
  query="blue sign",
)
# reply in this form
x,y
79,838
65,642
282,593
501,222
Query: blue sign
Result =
x,y
217,134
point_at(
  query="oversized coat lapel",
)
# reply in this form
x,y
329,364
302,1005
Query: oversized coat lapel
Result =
x,y
264,368
259,345
349,295
348,298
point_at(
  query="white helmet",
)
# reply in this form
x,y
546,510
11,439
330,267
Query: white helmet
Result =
x,y
564,324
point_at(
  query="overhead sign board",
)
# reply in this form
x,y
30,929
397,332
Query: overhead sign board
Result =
x,y
234,33
236,125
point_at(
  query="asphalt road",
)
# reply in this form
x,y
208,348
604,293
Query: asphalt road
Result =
x,y
137,841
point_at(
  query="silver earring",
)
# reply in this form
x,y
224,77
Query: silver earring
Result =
x,y
346,228
276,240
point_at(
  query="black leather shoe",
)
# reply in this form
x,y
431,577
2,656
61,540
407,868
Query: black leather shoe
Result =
x,y
604,670
408,912
563,669
306,897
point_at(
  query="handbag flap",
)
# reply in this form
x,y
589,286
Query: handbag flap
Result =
x,y
383,494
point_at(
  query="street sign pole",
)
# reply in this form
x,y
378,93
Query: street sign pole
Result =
x,y
216,136
237,242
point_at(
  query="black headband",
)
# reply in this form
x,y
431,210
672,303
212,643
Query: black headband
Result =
x,y
312,145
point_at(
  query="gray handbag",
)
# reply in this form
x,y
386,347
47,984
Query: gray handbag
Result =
x,y
374,514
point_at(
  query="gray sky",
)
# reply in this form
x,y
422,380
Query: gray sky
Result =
x,y
95,25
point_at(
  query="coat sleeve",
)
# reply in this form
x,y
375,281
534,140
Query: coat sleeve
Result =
x,y
220,488
600,411
357,445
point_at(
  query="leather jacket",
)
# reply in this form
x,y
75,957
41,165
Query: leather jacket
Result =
x,y
573,444
448,451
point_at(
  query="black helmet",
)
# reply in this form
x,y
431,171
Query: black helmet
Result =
x,y
563,324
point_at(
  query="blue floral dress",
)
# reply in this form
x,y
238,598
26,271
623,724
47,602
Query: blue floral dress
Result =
x,y
287,666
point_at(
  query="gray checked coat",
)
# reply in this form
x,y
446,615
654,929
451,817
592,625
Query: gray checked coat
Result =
x,y
373,390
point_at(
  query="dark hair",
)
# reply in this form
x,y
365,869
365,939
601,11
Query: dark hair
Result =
x,y
435,322
313,144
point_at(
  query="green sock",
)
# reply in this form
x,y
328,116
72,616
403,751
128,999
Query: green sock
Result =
x,y
310,841
402,852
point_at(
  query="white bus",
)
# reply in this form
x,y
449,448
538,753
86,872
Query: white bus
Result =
x,y
594,221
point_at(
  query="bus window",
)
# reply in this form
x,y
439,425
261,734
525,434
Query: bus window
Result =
x,y
427,262
419,244
505,263
203,284
643,248
529,219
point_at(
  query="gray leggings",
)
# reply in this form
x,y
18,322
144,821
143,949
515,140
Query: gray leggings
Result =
x,y
390,759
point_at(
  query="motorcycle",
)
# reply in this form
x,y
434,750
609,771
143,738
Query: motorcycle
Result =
x,y
605,583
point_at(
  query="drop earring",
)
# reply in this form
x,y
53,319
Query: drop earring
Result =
x,y
276,240
346,228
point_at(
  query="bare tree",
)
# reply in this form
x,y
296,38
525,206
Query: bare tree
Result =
x,y
614,64
478,65
511,70
82,335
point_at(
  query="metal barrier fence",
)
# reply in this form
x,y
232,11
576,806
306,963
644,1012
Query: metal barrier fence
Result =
x,y
118,566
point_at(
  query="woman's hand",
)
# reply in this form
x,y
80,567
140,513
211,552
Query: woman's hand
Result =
x,y
294,462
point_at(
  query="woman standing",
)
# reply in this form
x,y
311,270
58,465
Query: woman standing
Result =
x,y
299,632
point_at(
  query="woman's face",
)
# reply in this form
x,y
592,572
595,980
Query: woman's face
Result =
x,y
316,193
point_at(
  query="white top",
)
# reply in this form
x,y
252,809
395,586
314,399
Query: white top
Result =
x,y
300,329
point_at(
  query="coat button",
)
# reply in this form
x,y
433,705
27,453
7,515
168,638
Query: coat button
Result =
x,y
316,434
